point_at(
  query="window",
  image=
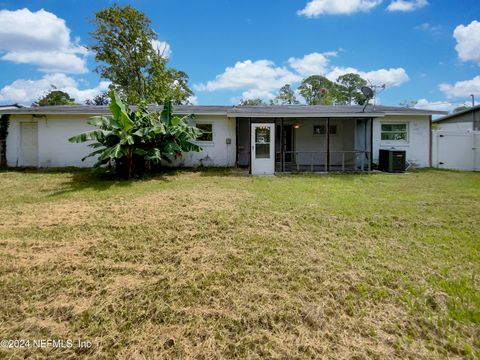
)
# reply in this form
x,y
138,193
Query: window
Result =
x,y
320,129
207,132
395,132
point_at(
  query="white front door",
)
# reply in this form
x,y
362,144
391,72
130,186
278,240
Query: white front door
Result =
x,y
28,144
263,149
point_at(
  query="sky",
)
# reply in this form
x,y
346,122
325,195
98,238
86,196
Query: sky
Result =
x,y
422,50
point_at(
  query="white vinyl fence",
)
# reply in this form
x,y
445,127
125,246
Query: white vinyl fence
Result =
x,y
456,150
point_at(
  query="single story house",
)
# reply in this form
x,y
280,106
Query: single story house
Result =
x,y
263,139
456,141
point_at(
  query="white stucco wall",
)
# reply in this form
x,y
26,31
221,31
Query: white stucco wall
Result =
x,y
455,126
13,142
418,144
218,152
54,149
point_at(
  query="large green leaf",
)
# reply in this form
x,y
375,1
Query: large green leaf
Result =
x,y
154,155
140,152
102,121
166,114
120,112
94,153
175,121
127,140
113,152
88,136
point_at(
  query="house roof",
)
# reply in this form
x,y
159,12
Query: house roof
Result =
x,y
238,111
457,114
12,106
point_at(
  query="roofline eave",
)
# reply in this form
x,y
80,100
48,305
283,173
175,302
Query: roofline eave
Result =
x,y
305,115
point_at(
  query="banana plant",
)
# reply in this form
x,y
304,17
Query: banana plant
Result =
x,y
135,140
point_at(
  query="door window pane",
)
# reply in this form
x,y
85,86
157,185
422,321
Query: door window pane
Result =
x,y
262,142
262,135
262,151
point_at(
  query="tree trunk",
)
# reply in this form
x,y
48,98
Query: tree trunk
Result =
x,y
130,165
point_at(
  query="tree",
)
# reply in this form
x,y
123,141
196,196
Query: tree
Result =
x,y
349,89
99,100
167,83
135,141
55,97
286,96
409,104
252,102
317,90
123,43
460,108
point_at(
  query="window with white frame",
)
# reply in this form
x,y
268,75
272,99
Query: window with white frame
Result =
x,y
394,132
207,132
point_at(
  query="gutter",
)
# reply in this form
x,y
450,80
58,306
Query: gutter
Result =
x,y
300,115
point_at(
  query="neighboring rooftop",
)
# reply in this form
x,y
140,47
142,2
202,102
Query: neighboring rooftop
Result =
x,y
238,111
458,114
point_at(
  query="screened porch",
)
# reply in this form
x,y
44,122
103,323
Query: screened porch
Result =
x,y
311,144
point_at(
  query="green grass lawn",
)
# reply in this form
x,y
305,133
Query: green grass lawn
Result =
x,y
214,265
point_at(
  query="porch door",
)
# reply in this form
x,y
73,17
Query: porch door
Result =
x,y
28,144
263,149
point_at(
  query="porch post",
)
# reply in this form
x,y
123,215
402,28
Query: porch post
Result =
x,y
237,127
327,131
282,141
249,145
370,160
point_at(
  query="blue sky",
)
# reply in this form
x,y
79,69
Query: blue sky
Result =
x,y
427,50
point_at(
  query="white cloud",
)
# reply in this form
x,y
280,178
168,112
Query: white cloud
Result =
x,y
434,105
193,100
468,41
162,47
257,79
262,78
435,29
49,61
311,64
406,5
462,88
390,77
315,8
25,91
40,38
